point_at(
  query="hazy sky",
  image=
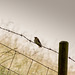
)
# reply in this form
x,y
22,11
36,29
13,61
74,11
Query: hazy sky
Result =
x,y
52,20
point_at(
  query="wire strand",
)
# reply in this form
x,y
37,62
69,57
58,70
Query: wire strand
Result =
x,y
11,62
9,69
29,58
26,38
29,67
32,41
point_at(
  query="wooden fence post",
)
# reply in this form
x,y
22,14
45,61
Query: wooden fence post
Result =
x,y
63,58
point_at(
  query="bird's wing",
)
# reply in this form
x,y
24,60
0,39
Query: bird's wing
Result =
x,y
38,40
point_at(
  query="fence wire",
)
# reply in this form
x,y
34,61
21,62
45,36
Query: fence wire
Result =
x,y
11,62
47,71
26,57
29,67
26,38
9,69
32,41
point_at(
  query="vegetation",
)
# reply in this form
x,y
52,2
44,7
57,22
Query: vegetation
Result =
x,y
20,63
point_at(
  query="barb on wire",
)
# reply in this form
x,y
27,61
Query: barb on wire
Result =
x,y
26,38
29,58
29,67
32,41
71,59
15,33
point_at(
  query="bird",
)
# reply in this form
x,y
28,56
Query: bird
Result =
x,y
37,41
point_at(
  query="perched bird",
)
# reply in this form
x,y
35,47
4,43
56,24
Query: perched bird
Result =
x,y
37,41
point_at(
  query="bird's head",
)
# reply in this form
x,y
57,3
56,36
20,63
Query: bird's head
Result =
x,y
35,37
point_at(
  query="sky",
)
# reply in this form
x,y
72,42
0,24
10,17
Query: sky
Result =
x,y
50,20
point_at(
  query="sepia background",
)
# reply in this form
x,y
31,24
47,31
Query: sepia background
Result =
x,y
50,20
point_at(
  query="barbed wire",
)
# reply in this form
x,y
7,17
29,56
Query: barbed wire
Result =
x,y
71,59
26,38
26,57
32,41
